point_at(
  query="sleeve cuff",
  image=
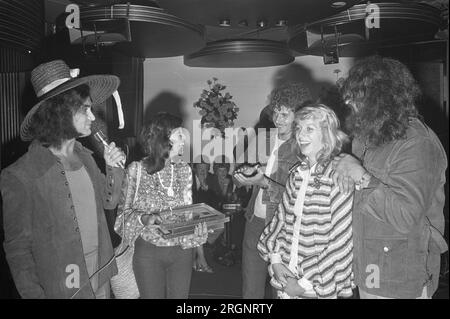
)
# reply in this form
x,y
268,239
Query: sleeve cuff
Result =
x,y
275,258
374,182
140,220
305,284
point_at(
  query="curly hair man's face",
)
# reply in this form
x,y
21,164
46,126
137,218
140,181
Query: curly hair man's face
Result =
x,y
83,118
283,118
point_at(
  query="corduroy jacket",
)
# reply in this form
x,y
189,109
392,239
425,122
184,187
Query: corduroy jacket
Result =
x,y
398,219
42,239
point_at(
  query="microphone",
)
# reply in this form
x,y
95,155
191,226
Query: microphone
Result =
x,y
101,138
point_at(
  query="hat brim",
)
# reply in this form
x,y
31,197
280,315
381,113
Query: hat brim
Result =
x,y
101,87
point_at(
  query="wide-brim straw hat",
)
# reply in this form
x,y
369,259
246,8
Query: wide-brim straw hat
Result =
x,y
55,77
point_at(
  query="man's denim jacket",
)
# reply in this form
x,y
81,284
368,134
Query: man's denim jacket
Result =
x,y
398,219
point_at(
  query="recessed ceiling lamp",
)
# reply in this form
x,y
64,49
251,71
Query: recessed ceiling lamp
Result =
x,y
261,23
243,23
338,4
225,23
281,23
240,54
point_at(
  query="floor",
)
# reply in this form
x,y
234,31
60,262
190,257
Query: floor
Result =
x,y
226,282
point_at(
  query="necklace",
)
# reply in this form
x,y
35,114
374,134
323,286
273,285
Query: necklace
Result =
x,y
169,189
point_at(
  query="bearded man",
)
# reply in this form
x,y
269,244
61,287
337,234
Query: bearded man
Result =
x,y
398,168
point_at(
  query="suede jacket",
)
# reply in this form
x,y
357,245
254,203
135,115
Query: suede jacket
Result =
x,y
42,239
398,219
287,157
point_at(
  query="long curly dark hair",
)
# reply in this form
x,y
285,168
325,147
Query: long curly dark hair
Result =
x,y
52,124
292,95
154,140
382,93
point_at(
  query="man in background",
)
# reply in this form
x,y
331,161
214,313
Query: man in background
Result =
x,y
268,183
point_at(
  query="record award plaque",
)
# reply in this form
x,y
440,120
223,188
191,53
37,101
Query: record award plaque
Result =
x,y
181,221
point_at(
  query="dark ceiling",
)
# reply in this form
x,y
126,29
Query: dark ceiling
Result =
x,y
244,16
248,19
274,20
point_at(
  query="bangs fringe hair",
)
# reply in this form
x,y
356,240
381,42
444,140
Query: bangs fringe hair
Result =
x,y
333,138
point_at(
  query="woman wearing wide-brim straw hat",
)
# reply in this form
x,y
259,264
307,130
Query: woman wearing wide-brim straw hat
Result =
x,y
57,242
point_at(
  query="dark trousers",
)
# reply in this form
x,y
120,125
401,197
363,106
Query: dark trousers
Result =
x,y
254,268
162,272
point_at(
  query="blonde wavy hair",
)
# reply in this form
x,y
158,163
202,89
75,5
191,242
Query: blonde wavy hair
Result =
x,y
333,138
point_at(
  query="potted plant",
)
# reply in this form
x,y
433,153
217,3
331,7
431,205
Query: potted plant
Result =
x,y
216,107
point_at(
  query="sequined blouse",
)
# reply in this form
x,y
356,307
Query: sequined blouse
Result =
x,y
171,187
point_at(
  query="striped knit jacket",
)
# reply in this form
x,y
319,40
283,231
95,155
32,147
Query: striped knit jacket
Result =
x,y
324,233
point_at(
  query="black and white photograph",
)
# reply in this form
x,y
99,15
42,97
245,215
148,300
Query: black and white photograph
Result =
x,y
242,151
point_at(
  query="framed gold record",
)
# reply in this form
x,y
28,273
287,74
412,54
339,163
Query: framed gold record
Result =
x,y
181,221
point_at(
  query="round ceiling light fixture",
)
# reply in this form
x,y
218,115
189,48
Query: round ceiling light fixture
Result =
x,y
261,23
338,4
399,23
240,54
225,23
154,33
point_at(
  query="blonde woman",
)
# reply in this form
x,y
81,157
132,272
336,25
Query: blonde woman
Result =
x,y
309,241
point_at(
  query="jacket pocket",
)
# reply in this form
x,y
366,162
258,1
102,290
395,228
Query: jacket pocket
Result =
x,y
389,256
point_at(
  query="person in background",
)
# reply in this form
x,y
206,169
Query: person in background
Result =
x,y
162,267
398,168
222,182
268,182
309,240
203,193
54,196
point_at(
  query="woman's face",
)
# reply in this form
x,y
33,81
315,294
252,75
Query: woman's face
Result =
x,y
83,118
177,139
309,138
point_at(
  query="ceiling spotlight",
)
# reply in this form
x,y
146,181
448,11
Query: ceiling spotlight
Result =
x,y
261,23
225,23
281,23
243,23
338,4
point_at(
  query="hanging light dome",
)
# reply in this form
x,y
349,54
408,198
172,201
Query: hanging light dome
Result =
x,y
240,53
397,23
153,32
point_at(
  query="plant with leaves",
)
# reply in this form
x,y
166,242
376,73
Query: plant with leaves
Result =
x,y
216,107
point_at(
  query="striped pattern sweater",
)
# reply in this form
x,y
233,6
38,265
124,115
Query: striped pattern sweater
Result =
x,y
325,246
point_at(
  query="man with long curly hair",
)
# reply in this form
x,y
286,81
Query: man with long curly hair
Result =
x,y
398,168
269,181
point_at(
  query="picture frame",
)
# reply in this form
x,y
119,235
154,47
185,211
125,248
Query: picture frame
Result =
x,y
181,221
